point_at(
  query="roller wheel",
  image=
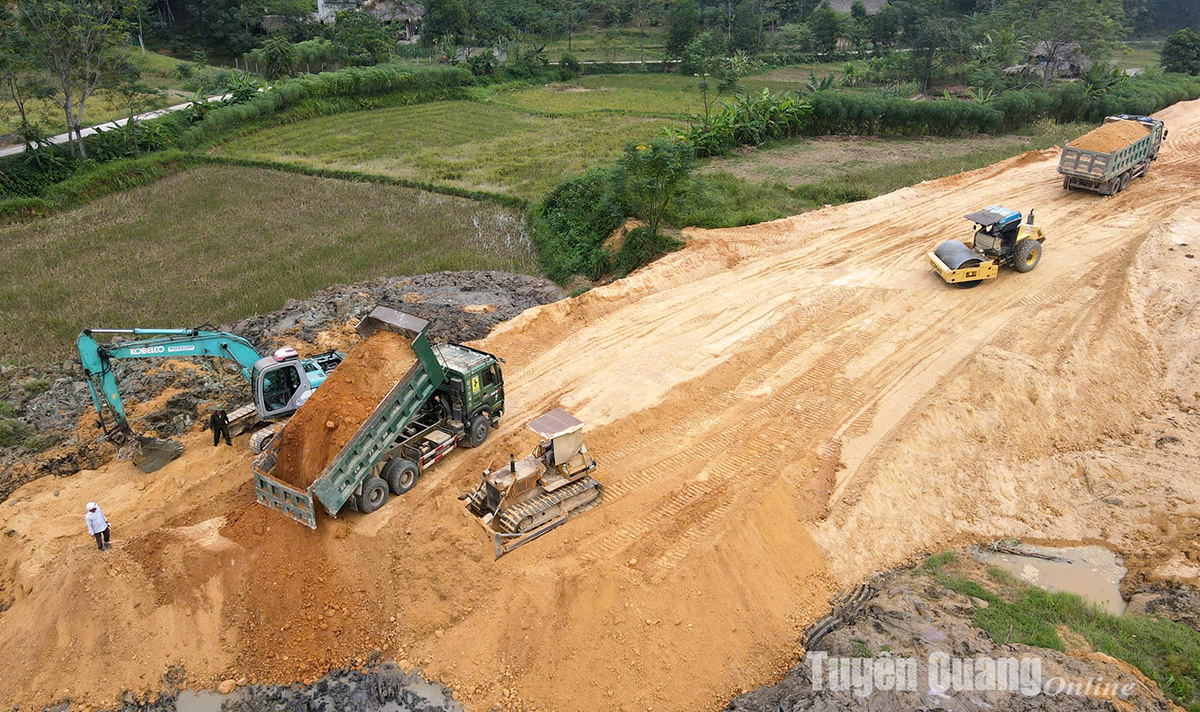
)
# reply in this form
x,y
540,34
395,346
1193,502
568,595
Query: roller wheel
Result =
x,y
374,495
401,475
478,431
1029,253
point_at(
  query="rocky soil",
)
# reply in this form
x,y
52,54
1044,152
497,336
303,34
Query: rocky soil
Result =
x,y
51,420
912,615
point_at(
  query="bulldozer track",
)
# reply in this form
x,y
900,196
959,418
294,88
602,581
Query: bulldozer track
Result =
x,y
511,517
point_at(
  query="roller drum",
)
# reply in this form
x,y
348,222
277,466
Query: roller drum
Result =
x,y
957,255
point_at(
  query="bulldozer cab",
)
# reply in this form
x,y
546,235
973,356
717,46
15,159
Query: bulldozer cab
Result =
x,y
562,450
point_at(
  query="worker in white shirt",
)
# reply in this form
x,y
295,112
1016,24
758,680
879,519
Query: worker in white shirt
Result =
x,y
97,526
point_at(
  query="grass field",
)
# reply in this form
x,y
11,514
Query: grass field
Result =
x,y
460,143
218,243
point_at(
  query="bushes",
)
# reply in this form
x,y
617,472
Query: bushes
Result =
x,y
340,86
569,226
748,121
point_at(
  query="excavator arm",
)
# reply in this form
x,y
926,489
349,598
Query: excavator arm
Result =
x,y
96,359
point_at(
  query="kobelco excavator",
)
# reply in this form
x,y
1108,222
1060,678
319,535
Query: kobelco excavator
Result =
x,y
280,382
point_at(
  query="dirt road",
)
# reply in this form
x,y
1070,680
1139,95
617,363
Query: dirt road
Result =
x,y
778,410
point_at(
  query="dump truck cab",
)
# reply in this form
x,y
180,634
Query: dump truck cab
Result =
x,y
473,392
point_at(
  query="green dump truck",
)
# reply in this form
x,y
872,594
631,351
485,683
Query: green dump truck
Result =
x,y
452,396
1118,157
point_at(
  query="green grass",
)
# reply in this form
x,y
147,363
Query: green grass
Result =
x,y
669,95
459,143
218,243
1167,652
592,45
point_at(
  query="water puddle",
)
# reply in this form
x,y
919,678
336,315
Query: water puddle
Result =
x,y
199,701
381,689
1092,572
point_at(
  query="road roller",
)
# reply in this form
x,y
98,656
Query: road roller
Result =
x,y
1001,237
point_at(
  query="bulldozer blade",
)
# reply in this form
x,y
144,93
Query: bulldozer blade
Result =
x,y
506,543
152,454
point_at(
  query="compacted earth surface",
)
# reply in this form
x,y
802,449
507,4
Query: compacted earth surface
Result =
x,y
779,412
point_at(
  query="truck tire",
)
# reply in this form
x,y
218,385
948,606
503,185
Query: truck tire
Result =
x,y
1123,182
401,475
477,431
1067,183
374,495
1028,254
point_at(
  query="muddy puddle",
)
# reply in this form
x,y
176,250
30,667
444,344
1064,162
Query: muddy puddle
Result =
x,y
384,688
1092,572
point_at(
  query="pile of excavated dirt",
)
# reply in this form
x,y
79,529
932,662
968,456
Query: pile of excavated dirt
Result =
x,y
335,411
1111,137
778,411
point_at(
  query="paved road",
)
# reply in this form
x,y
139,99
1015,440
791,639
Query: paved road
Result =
x,y
63,138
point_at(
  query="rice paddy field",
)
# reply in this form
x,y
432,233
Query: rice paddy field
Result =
x,y
459,143
217,242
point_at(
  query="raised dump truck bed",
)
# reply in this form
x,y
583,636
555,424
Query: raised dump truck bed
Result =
x,y
451,396
1106,159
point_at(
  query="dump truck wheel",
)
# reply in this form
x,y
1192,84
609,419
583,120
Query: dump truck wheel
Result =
x,y
1066,183
1029,253
401,475
374,495
478,431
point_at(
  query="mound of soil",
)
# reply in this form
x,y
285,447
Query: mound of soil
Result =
x,y
1110,137
322,427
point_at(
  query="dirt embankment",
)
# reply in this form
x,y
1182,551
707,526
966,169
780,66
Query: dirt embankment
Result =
x,y
335,411
778,411
1111,137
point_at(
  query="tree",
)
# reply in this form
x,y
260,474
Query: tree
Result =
x,y
136,97
279,57
19,80
705,58
77,43
649,178
642,11
444,17
826,26
572,14
934,38
858,11
884,26
746,31
363,38
1057,26
1181,53
683,25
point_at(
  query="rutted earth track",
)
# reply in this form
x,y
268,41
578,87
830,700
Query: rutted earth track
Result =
x,y
778,410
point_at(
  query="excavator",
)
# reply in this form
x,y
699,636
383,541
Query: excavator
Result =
x,y
280,382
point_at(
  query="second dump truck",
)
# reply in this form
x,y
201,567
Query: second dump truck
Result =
x,y
452,396
1106,159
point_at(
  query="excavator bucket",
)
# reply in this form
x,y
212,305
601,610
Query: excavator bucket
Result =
x,y
152,454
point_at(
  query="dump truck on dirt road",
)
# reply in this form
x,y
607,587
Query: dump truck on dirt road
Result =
x,y
1106,159
395,407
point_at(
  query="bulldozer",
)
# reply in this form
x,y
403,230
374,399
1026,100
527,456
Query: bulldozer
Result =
x,y
536,494
1001,237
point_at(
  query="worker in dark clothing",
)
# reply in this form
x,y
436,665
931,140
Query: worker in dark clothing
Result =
x,y
219,422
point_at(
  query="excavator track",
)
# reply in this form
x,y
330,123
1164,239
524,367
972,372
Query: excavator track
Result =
x,y
538,509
